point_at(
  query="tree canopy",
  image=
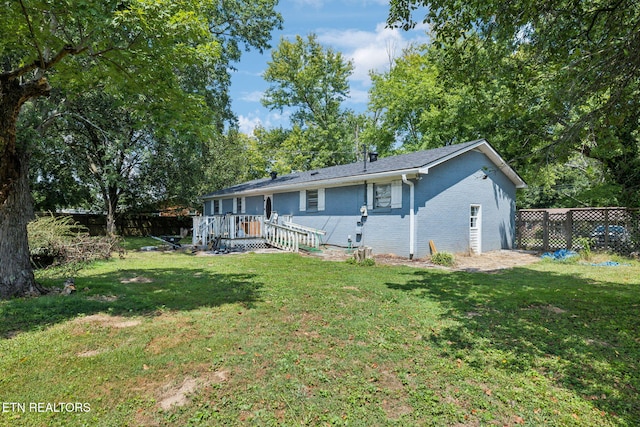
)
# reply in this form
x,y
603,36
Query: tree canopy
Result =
x,y
160,51
583,60
313,81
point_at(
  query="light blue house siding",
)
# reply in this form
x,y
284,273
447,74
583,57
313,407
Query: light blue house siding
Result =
x,y
339,219
454,188
253,206
443,198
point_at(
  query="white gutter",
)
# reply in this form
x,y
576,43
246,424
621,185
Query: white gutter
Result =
x,y
412,218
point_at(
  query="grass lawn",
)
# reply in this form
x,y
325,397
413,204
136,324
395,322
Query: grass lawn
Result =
x,y
280,339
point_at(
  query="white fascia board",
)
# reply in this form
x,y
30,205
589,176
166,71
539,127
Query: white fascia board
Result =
x,y
324,183
488,151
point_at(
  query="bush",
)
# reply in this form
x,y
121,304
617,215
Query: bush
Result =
x,y
60,241
585,244
367,262
443,258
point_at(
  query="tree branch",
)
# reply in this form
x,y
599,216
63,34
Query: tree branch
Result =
x,y
66,50
33,35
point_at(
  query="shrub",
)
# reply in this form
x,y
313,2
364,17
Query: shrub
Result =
x,y
443,258
367,262
585,244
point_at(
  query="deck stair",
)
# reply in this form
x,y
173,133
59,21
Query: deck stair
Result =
x,y
292,237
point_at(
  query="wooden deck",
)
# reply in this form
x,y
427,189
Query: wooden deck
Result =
x,y
253,232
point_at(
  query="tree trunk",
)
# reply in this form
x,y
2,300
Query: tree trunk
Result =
x,y
16,272
111,220
16,207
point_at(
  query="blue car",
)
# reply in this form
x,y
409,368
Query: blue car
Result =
x,y
617,234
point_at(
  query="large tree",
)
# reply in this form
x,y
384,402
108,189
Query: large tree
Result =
x,y
586,54
141,47
105,147
314,82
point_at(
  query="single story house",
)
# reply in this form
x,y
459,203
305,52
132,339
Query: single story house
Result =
x,y
457,198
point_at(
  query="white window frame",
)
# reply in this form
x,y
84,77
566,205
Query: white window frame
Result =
x,y
475,227
242,201
304,200
396,195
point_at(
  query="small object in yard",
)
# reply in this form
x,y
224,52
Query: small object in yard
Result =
x,y
148,248
608,264
560,254
432,246
173,241
69,287
362,253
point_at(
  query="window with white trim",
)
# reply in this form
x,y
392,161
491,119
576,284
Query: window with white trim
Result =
x,y
216,207
381,196
312,200
474,215
238,205
384,195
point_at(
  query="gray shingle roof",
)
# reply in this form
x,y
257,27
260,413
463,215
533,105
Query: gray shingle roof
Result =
x,y
388,164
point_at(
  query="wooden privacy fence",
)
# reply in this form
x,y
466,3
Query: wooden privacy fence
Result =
x,y
611,229
132,224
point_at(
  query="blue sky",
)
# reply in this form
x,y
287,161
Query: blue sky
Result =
x,y
354,27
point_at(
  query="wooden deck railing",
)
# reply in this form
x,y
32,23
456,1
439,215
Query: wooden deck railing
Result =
x,y
289,236
206,228
231,227
308,236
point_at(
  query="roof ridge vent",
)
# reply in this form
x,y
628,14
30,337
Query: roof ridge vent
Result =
x,y
373,156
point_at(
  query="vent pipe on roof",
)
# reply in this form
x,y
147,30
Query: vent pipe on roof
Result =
x,y
273,174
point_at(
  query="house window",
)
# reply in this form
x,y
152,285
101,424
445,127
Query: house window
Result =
x,y
384,195
216,207
312,200
239,205
474,215
381,196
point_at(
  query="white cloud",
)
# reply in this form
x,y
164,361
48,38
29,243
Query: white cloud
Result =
x,y
254,96
371,50
313,3
248,124
269,120
358,96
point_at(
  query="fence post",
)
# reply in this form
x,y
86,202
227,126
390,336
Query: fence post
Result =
x,y
518,230
606,228
569,229
545,231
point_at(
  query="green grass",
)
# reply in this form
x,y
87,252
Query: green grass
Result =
x,y
280,339
135,243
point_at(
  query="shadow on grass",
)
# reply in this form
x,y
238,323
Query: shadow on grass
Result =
x,y
580,334
130,293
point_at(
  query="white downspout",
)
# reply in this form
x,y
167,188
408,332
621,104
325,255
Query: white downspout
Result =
x,y
412,219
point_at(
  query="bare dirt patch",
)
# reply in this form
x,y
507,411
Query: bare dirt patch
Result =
x,y
495,260
103,298
89,353
137,279
105,320
486,262
178,394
